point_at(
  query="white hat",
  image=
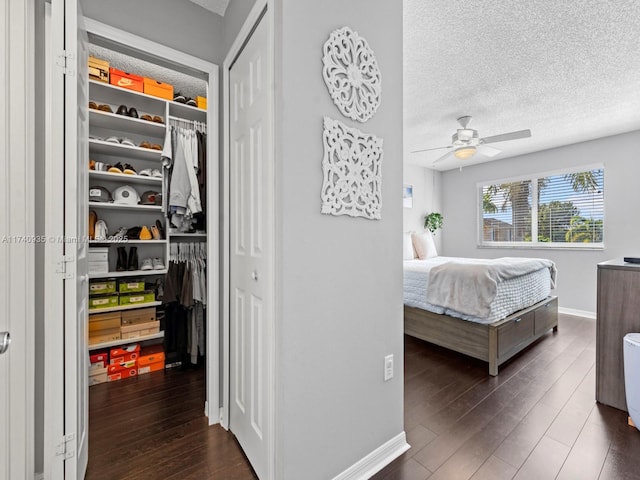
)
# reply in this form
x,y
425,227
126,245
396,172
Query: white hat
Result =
x,y
126,195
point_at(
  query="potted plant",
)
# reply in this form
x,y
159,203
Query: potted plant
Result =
x,y
433,221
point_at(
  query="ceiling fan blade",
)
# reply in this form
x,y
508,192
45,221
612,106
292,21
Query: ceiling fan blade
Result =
x,y
503,137
488,151
429,149
446,156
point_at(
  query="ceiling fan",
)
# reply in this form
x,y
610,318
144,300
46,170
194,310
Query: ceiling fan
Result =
x,y
466,142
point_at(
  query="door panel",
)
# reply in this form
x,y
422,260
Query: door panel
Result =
x,y
251,257
76,243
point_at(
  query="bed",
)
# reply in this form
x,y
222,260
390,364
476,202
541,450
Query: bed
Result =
x,y
487,309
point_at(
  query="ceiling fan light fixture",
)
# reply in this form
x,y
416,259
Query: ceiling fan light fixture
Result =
x,y
465,152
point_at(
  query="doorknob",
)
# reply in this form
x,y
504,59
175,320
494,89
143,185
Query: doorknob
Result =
x,y
254,275
5,340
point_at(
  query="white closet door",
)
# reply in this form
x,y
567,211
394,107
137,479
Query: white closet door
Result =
x,y
251,255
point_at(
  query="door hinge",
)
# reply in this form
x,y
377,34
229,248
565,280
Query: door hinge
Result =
x,y
64,450
65,60
61,266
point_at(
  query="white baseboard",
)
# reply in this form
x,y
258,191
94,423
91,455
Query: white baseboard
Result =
x,y
577,313
364,468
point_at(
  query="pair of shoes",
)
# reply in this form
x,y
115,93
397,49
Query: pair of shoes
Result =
x,y
152,118
178,97
120,235
127,112
148,172
122,141
153,146
118,168
127,262
152,264
103,108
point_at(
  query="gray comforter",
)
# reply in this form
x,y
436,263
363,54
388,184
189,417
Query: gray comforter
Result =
x,y
470,286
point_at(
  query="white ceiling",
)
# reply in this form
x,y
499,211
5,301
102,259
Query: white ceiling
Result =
x,y
567,70
215,6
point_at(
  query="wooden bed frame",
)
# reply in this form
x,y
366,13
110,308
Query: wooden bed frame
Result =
x,y
495,342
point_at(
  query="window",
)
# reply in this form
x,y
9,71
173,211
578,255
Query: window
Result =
x,y
563,209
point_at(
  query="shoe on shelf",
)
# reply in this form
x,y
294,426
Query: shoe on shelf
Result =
x,y
120,235
160,229
129,170
105,108
101,233
117,168
145,144
146,117
93,105
178,97
133,113
145,234
156,173
191,102
145,173
126,141
157,119
158,264
93,218
122,110
133,233
132,264
121,265
155,232
113,140
156,146
92,164
147,264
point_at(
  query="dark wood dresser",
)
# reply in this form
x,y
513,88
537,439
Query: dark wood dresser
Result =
x,y
618,313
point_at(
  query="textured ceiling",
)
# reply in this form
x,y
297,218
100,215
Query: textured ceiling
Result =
x,y
567,70
216,6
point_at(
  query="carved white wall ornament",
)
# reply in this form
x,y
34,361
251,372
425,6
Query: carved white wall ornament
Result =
x,y
352,171
352,75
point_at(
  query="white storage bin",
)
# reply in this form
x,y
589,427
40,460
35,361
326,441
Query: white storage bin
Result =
x,y
632,375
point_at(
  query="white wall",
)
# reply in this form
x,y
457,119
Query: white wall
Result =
x,y
339,308
427,198
576,268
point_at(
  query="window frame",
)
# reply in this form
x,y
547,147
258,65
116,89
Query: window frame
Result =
x,y
533,178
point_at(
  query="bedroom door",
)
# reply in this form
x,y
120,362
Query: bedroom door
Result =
x,y
251,251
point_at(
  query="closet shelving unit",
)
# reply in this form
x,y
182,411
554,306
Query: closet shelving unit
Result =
x,y
104,125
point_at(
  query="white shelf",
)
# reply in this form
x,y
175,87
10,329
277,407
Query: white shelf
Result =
x,y
117,149
125,242
122,123
123,177
101,92
128,273
187,235
119,206
124,307
126,341
187,112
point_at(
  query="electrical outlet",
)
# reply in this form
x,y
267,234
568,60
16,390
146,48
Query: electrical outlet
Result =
x,y
388,368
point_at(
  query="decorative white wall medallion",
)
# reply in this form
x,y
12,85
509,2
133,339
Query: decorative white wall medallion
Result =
x,y
352,75
352,171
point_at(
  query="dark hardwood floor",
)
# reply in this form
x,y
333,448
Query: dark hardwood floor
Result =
x,y
153,427
537,420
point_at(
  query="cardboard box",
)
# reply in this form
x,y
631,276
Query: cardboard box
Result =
x,y
201,102
139,315
101,266
125,80
98,254
123,370
97,379
139,330
158,89
105,336
98,287
124,350
98,322
137,298
97,369
131,285
151,359
99,357
103,301
99,69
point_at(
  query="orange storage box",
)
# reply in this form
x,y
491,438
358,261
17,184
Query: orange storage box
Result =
x,y
125,80
122,370
158,89
201,102
151,359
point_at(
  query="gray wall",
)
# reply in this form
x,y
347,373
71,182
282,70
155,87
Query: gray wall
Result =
x,y
427,198
234,18
576,268
181,25
339,279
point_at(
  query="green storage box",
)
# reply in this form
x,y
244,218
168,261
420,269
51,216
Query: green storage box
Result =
x,y
131,285
99,287
97,302
137,298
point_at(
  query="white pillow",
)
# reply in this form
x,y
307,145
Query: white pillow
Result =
x,y
407,247
424,245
